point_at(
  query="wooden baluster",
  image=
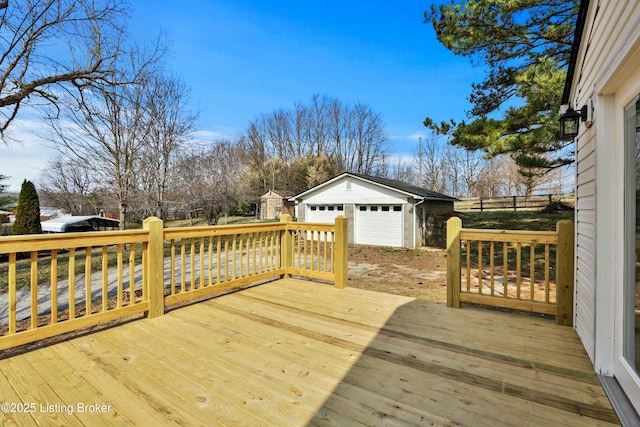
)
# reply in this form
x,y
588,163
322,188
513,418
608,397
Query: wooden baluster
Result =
x,y
210,259
202,254
132,274
173,266
54,286
192,263
72,283
120,284
505,267
479,267
105,278
183,265
546,273
87,281
518,268
219,259
34,289
492,267
532,271
12,293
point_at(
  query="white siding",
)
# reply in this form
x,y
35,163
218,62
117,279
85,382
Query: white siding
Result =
x,y
585,243
354,191
608,56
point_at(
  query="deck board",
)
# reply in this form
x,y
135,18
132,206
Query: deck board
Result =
x,y
299,353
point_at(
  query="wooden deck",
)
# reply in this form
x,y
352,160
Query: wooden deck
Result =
x,y
295,353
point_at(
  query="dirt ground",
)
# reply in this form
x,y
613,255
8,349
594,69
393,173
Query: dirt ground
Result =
x,y
418,273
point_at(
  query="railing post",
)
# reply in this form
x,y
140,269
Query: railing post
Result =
x,y
564,273
454,224
154,266
342,259
286,254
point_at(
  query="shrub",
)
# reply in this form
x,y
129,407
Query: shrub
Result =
x,y
28,211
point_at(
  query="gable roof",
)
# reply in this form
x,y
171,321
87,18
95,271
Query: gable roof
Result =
x,y
403,187
281,193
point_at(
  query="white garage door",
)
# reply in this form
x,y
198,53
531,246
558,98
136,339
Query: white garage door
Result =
x,y
379,225
325,214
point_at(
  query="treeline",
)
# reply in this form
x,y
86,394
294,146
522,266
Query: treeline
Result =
x,y
151,164
462,173
163,170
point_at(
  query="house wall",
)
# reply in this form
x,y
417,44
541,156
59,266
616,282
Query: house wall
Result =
x,y
607,72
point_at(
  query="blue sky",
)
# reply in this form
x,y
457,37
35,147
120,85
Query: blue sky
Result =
x,y
243,58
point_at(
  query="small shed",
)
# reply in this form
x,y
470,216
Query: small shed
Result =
x,y
381,212
275,203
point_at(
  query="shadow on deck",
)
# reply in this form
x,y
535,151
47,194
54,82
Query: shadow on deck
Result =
x,y
298,353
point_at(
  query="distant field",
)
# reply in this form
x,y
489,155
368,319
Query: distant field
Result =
x,y
509,220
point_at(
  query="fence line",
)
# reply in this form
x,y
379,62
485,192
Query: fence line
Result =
x,y
512,202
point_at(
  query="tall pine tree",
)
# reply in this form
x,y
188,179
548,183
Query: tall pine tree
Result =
x,y
28,211
525,46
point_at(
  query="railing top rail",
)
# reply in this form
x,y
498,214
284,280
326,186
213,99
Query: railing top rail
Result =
x,y
510,236
41,242
312,226
198,231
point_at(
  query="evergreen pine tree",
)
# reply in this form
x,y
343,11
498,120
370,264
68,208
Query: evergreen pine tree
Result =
x,y
28,211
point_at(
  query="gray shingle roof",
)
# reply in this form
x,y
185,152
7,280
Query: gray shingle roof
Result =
x,y
403,186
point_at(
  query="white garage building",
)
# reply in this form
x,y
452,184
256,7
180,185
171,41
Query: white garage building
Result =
x,y
381,212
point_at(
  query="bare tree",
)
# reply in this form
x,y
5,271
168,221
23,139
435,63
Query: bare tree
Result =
x,y
366,139
103,128
323,136
338,118
432,163
464,169
491,182
256,146
53,46
209,180
167,124
69,186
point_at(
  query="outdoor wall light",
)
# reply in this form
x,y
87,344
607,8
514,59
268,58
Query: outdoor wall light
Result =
x,y
570,121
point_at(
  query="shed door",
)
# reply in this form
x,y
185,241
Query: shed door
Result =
x,y
379,225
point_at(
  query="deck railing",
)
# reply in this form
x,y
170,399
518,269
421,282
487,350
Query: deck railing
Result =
x,y
57,283
523,270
